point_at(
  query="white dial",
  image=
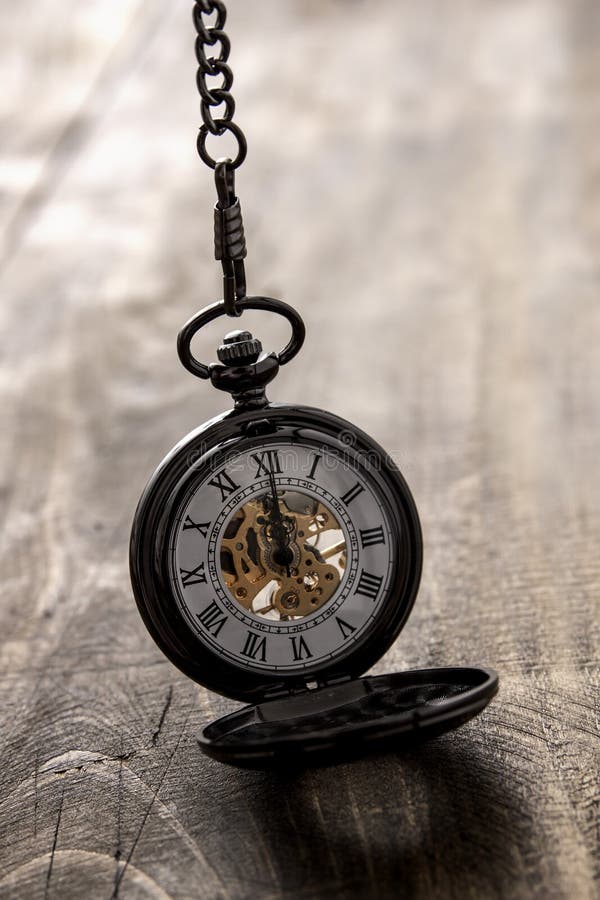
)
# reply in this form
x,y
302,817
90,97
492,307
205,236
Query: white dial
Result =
x,y
282,556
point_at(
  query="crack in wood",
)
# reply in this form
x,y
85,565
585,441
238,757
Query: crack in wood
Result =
x,y
161,721
35,791
85,762
119,879
498,368
54,843
118,849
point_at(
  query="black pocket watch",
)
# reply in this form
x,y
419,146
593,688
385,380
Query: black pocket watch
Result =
x,y
276,551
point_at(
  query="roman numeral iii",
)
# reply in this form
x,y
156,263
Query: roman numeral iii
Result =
x,y
255,647
371,536
369,585
213,618
195,576
225,484
268,463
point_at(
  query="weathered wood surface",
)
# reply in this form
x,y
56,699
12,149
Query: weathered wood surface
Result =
x,y
423,184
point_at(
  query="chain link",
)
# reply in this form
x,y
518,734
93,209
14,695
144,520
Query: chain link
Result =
x,y
218,96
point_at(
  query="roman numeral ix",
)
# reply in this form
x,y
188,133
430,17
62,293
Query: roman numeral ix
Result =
x,y
194,576
212,618
368,585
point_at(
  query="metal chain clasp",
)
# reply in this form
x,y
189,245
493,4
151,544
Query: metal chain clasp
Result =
x,y
230,243
244,369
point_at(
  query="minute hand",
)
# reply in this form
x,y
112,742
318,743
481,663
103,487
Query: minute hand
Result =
x,y
280,535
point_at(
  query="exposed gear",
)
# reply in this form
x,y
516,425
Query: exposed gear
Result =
x,y
251,556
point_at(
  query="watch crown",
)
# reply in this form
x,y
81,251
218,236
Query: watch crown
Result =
x,y
239,348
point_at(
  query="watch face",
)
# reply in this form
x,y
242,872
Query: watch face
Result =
x,y
283,548
281,556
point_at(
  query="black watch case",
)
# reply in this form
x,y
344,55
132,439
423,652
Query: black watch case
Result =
x,y
331,712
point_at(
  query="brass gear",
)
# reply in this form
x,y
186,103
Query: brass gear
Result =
x,y
254,578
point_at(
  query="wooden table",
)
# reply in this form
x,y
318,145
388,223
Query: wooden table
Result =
x,y
423,183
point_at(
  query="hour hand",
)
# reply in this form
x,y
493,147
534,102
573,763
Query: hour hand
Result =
x,y
282,555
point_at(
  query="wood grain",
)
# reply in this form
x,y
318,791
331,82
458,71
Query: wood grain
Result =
x,y
423,184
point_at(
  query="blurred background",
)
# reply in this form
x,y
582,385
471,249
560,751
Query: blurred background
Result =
x,y
423,185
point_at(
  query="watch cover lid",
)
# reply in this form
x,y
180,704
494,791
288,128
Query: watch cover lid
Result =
x,y
350,718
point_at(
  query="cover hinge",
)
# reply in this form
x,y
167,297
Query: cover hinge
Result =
x,y
281,690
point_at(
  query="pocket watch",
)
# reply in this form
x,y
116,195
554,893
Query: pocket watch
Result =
x,y
276,551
